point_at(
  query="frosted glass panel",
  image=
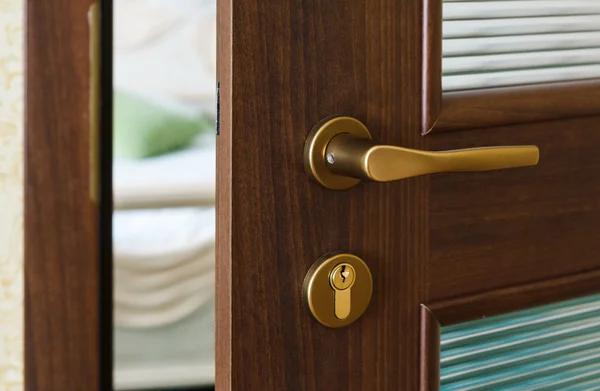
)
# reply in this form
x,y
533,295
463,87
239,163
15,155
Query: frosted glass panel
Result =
x,y
555,347
515,42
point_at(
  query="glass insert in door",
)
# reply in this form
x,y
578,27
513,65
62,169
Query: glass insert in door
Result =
x,y
554,347
491,43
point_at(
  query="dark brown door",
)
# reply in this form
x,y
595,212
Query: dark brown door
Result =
x,y
450,247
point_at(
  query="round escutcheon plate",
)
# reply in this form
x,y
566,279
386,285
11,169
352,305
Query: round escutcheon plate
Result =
x,y
316,145
320,296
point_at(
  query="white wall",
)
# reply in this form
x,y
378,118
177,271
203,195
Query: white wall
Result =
x,y
11,195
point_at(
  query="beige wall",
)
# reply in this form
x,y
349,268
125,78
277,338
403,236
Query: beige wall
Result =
x,y
11,195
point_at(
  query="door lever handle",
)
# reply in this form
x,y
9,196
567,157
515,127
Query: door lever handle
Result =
x,y
339,152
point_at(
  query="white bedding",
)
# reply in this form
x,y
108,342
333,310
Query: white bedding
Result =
x,y
163,264
167,49
164,297
180,178
164,285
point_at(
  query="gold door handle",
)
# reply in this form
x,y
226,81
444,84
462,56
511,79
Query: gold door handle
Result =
x,y
339,153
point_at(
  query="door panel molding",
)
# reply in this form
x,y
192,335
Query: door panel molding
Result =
x,y
497,229
517,105
435,315
502,301
430,350
483,108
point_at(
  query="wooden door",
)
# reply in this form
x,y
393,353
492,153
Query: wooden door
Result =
x,y
442,249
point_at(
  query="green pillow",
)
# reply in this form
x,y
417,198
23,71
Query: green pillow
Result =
x,y
143,129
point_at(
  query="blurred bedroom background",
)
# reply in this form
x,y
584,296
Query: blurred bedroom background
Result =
x,y
164,184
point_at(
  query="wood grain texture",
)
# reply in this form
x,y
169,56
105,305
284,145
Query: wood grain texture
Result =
x,y
292,64
430,351
62,272
494,230
432,64
517,298
517,105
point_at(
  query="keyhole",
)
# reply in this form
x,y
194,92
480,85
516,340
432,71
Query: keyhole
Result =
x,y
343,273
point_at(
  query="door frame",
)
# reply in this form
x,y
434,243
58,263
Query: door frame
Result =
x,y
68,204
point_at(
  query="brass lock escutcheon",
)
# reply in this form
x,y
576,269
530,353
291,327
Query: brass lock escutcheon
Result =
x,y
338,289
339,153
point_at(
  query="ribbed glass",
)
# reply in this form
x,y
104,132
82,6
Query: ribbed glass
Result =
x,y
516,42
554,347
